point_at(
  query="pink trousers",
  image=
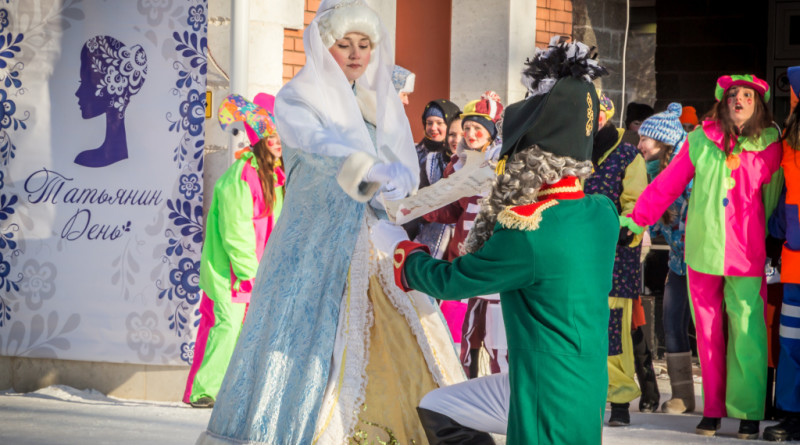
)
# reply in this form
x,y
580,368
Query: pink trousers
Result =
x,y
734,372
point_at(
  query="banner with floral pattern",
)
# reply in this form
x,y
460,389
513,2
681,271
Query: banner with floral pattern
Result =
x,y
102,107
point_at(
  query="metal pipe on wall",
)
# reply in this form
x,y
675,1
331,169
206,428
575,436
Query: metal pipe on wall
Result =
x,y
240,20
622,106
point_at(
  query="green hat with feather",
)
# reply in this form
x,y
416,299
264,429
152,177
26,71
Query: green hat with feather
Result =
x,y
561,109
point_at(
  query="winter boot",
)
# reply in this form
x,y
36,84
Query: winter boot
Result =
x,y
442,430
203,402
708,426
748,429
619,414
645,373
788,429
679,368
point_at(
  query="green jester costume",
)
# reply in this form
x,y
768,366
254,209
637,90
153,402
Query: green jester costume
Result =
x,y
549,252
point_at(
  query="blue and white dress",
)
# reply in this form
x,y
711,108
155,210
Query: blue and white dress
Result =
x,y
299,374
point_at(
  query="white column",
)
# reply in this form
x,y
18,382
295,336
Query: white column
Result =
x,y
268,18
387,11
521,43
489,44
240,25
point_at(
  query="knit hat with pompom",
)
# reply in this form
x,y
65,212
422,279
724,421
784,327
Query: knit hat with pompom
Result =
x,y
665,126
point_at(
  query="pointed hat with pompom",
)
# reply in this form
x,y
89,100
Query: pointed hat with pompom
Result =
x,y
665,126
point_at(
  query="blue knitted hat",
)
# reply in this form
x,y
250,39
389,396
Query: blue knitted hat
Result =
x,y
433,110
665,126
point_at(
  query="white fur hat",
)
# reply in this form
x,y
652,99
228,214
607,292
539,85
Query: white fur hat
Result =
x,y
348,16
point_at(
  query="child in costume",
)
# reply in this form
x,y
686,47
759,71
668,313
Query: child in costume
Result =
x,y
433,155
535,223
662,136
331,353
455,133
689,119
620,175
785,224
432,149
635,114
478,322
731,158
246,203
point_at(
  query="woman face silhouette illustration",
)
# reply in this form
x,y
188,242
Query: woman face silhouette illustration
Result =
x,y
90,104
110,74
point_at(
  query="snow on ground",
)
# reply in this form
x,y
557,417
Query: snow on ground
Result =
x,y
60,415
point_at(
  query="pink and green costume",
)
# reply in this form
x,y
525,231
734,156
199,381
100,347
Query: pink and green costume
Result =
x,y
725,254
237,229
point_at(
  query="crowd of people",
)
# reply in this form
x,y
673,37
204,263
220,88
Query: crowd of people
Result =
x,y
528,316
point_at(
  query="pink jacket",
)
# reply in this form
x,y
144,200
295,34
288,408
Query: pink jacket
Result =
x,y
726,222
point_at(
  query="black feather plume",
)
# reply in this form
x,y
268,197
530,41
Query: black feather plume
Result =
x,y
560,60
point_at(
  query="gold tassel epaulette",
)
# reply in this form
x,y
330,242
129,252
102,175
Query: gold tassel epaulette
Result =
x,y
525,217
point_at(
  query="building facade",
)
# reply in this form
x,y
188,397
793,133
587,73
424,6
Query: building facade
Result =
x,y
656,52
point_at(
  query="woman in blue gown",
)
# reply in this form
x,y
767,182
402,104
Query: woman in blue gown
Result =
x,y
331,349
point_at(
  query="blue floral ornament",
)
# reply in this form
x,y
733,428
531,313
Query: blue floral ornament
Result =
x,y
7,239
8,46
187,352
193,112
185,234
196,18
5,281
3,19
7,206
5,268
12,80
7,109
190,185
186,280
2,184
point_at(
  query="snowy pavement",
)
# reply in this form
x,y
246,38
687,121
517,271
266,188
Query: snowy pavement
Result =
x,y
60,415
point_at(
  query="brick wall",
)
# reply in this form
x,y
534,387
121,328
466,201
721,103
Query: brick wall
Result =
x,y
552,17
294,56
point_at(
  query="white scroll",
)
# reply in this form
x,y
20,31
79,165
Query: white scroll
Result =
x,y
474,178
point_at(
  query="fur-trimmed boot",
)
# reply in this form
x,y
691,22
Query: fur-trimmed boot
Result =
x,y
442,430
679,368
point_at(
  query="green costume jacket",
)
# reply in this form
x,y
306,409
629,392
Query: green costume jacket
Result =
x,y
551,262
237,229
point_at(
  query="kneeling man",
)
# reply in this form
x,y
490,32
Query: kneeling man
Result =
x,y
549,250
